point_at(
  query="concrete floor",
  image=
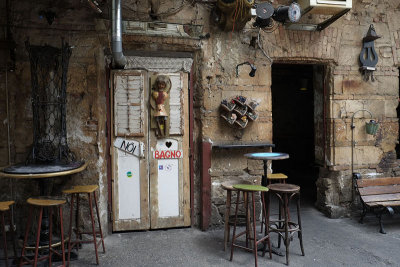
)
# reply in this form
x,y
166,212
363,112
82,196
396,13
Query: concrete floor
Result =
x,y
327,242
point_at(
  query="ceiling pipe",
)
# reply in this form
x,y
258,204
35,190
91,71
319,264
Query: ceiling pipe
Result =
x,y
119,61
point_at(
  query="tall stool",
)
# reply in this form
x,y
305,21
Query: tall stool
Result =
x,y
90,190
276,177
41,204
228,221
5,208
247,190
284,226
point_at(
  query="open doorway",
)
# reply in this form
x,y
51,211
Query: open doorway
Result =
x,y
294,92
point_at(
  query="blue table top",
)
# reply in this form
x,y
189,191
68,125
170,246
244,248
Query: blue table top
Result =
x,y
267,155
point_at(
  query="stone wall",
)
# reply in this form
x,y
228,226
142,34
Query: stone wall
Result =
x,y
215,58
86,98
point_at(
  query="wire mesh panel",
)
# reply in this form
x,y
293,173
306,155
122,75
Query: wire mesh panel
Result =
x,y
49,66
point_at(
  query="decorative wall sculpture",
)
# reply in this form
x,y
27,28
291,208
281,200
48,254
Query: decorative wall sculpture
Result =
x,y
159,102
237,112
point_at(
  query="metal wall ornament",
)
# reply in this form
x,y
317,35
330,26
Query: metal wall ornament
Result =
x,y
368,56
49,68
237,112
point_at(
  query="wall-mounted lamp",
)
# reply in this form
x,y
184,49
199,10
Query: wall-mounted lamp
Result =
x,y
303,84
252,72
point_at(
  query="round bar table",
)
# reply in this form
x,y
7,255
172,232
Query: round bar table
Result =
x,y
265,156
42,173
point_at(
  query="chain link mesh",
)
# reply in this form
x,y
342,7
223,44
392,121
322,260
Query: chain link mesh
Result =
x,y
49,67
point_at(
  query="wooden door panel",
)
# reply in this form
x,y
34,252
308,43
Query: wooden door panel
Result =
x,y
129,151
169,176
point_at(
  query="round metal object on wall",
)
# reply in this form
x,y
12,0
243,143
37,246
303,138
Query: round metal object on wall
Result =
x,y
294,12
264,10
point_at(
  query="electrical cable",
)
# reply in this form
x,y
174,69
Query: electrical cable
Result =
x,y
262,49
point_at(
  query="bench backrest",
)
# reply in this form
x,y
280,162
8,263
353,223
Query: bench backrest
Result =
x,y
380,191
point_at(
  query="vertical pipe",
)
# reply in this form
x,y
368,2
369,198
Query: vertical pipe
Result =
x,y
118,55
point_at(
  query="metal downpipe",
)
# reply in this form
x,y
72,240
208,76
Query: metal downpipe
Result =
x,y
119,61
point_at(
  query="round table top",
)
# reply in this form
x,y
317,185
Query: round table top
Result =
x,y
267,155
42,174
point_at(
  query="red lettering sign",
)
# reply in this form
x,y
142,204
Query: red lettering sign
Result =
x,y
167,154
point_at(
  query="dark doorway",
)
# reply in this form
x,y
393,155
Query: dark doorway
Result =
x,y
293,112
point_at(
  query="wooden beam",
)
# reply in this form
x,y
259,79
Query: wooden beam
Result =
x,y
205,185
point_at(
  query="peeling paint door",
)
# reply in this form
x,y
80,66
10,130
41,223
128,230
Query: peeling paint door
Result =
x,y
169,173
129,152
151,181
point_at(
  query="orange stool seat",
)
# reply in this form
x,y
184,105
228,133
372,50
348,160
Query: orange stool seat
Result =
x,y
90,190
279,177
50,204
5,208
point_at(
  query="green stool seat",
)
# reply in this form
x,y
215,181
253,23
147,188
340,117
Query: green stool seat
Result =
x,y
251,187
249,191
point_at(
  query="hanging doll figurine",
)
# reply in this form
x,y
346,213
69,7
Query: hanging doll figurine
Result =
x,y
161,88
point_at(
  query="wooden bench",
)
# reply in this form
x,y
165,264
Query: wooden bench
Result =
x,y
379,195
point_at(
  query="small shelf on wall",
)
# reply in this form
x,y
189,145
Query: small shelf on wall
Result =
x,y
237,112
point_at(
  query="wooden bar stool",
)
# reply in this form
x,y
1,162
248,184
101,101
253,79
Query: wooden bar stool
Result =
x,y
250,190
90,190
276,177
228,221
41,204
5,208
284,226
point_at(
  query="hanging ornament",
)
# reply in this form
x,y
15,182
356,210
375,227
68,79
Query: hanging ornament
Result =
x,y
368,56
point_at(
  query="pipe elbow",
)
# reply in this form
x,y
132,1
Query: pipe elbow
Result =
x,y
119,60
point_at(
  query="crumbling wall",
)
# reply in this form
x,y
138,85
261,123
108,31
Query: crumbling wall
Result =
x,y
86,102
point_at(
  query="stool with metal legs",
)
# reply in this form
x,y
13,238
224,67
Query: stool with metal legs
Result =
x,y
284,226
41,204
90,190
249,191
5,208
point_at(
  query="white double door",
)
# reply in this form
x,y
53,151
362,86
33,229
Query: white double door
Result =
x,y
151,182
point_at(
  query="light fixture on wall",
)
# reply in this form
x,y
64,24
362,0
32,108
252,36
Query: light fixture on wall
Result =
x,y
303,84
252,72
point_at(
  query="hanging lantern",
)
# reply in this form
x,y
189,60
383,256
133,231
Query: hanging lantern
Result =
x,y
371,127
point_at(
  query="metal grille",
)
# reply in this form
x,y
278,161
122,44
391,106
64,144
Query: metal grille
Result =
x,y
49,66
